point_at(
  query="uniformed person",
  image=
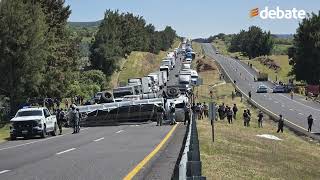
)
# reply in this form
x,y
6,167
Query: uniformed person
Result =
x,y
160,114
280,124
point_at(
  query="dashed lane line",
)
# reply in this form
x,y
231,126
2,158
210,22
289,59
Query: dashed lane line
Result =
x,y
97,140
24,144
119,131
4,171
68,150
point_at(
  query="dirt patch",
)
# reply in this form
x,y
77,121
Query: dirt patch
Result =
x,y
270,63
203,65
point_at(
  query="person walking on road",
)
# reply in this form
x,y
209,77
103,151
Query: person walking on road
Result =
x,y
280,124
186,113
260,119
79,119
235,110
310,122
229,115
160,114
291,94
60,118
172,113
74,118
249,94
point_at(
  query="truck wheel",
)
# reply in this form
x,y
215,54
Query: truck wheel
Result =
x,y
54,132
13,137
106,97
44,132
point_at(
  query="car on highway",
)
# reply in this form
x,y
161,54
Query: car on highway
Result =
x,y
33,121
278,89
167,62
262,89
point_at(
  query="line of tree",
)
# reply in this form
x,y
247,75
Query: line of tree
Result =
x,y
252,43
121,33
305,54
39,56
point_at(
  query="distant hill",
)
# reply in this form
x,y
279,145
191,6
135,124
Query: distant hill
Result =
x,y
85,24
283,36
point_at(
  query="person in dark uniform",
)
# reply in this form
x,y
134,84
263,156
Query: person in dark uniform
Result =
x,y
60,120
280,124
74,118
79,119
260,118
245,118
160,114
249,94
186,113
235,110
310,122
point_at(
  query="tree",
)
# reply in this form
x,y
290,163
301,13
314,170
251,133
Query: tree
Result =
x,y
306,51
121,33
252,43
22,49
63,53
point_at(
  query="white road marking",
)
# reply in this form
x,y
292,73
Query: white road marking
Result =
x,y
276,102
291,109
300,103
19,145
300,114
119,131
68,150
282,105
265,95
4,171
99,139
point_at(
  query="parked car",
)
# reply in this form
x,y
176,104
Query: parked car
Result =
x,y
278,89
33,121
262,89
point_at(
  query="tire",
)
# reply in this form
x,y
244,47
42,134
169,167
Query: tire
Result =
x,y
13,137
173,92
54,132
106,97
44,132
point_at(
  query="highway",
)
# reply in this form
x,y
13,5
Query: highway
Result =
x,y
294,110
110,152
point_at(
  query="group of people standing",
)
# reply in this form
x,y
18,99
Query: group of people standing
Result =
x,y
201,110
226,111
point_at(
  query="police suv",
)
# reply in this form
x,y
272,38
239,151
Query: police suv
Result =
x,y
33,121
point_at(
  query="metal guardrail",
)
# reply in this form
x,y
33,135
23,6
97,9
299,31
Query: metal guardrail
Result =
x,y
190,166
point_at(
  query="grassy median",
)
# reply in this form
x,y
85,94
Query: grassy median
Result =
x,y
4,131
238,153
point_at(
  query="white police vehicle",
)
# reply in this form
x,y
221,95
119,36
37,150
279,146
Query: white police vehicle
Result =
x,y
32,121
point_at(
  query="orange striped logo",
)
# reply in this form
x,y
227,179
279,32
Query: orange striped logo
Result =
x,y
254,12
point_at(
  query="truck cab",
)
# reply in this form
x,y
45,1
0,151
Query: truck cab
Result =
x,y
33,121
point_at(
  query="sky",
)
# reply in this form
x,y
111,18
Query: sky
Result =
x,y
197,18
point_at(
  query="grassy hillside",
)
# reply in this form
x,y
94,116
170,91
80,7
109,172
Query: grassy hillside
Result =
x,y
280,59
238,153
139,64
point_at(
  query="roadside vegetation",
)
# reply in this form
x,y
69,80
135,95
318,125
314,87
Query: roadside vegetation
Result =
x,y
238,153
282,60
139,64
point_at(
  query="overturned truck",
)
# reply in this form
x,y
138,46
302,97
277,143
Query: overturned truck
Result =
x,y
120,112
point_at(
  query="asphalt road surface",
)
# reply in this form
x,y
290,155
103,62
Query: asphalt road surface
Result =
x,y
95,153
295,110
